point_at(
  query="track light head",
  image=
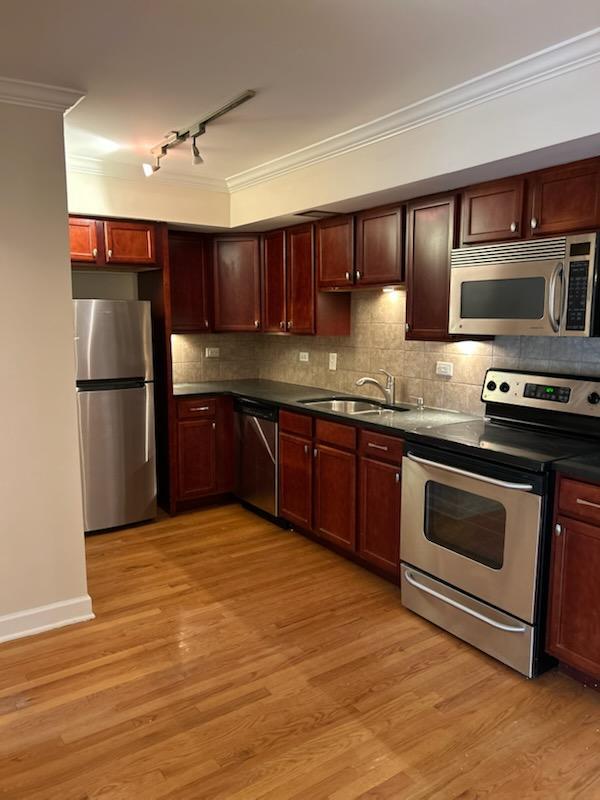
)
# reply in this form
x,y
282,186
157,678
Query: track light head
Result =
x,y
196,157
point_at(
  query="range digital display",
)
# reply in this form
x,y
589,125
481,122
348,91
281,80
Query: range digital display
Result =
x,y
540,391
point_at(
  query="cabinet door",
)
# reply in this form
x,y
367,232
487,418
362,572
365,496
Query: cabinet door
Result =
x,y
565,199
430,238
236,279
130,243
493,211
188,283
335,252
83,240
379,515
274,282
335,496
574,613
301,279
196,458
379,251
295,479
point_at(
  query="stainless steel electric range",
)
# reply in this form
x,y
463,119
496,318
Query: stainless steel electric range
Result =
x,y
476,511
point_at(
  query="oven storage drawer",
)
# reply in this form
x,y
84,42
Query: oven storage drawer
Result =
x,y
498,634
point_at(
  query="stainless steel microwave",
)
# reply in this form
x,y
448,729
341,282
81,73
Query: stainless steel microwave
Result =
x,y
542,287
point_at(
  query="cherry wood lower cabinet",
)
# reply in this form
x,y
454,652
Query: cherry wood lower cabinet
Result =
x,y
379,497
574,614
296,479
335,495
203,460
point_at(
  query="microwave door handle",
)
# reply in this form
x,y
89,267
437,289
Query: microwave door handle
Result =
x,y
563,294
523,487
554,319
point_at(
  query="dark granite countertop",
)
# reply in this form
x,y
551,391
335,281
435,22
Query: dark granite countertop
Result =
x,y
585,467
289,395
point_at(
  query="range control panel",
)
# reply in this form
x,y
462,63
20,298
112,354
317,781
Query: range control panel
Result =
x,y
568,394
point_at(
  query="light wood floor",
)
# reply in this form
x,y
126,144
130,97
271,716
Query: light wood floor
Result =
x,y
230,659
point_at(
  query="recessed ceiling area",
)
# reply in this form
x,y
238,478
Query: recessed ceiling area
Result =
x,y
319,67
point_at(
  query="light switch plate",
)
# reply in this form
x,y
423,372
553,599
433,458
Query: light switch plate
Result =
x,y
303,355
212,352
333,361
445,368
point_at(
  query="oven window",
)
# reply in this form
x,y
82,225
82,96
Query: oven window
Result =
x,y
509,298
466,523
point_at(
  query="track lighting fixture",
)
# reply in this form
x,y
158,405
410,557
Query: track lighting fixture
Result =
x,y
175,138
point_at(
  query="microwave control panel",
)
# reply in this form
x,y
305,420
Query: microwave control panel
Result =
x,y
577,295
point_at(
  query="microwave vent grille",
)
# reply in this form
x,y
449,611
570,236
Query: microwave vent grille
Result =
x,y
509,252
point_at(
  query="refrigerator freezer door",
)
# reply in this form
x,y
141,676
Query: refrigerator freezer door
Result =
x,y
113,339
117,456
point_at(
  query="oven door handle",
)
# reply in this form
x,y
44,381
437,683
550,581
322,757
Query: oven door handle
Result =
x,y
470,611
523,487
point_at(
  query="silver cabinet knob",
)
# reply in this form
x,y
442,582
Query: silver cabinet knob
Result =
x,y
289,325
358,275
257,323
534,222
109,254
214,426
348,276
306,449
558,529
206,323
513,227
282,325
407,327
95,252
315,452
397,477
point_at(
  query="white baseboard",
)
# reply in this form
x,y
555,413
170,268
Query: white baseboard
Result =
x,y
45,618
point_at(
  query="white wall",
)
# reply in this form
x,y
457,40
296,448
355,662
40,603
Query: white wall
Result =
x,y
42,557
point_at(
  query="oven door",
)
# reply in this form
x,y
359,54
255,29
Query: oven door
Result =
x,y
524,298
475,531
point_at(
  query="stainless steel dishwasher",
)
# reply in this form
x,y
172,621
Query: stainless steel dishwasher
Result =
x,y
257,448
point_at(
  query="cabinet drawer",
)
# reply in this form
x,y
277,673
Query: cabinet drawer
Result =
x,y
580,500
336,434
299,424
380,446
196,407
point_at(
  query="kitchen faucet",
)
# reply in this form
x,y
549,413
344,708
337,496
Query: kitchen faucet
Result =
x,y
389,390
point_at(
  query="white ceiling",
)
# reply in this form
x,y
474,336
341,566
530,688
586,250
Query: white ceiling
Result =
x,y
319,67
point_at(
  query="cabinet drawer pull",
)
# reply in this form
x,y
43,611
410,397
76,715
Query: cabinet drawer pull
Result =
x,y
200,408
581,502
513,227
377,446
95,252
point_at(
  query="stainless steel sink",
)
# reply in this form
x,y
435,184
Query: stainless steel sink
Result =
x,y
351,406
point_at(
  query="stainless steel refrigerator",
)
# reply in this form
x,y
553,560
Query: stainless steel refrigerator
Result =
x,y
113,347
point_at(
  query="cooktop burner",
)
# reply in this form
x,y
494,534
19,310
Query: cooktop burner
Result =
x,y
502,442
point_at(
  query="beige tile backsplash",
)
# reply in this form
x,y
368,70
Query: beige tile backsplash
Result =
x,y
377,341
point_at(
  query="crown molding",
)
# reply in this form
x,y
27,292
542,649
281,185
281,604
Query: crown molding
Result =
x,y
86,165
552,62
39,95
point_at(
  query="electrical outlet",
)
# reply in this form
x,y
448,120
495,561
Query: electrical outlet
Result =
x,y
303,355
333,361
445,368
212,352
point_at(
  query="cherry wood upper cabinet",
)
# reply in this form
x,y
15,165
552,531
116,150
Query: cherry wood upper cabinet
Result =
x,y
300,279
379,247
295,479
565,199
274,282
574,613
335,252
335,495
493,211
83,239
188,282
431,233
379,514
236,281
130,243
